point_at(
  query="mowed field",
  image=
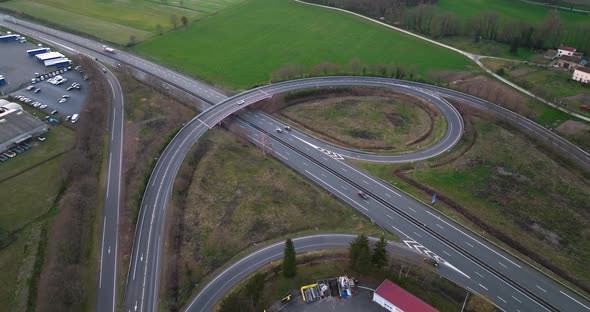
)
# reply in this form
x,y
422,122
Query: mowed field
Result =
x,y
518,10
116,20
242,45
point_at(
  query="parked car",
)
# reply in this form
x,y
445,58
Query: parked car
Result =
x,y
41,138
17,150
43,106
10,154
68,117
54,112
3,158
29,88
37,90
37,104
62,100
24,146
65,96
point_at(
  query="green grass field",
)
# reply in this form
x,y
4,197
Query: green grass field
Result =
x,y
385,123
507,8
117,20
242,45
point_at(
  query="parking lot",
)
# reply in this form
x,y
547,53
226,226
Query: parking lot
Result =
x,y
19,68
51,95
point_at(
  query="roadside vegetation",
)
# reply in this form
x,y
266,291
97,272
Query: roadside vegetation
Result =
x,y
515,23
121,22
294,34
68,273
361,118
229,196
501,182
152,119
268,285
30,189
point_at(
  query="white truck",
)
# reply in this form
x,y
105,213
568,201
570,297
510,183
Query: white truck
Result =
x,y
107,49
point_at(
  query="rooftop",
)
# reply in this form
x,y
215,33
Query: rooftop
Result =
x,y
401,298
14,122
584,69
571,59
566,48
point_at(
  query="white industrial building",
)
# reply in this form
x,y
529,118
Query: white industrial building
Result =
x,y
17,126
396,299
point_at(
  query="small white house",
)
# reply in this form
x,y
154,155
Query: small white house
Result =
x,y
565,50
582,74
396,299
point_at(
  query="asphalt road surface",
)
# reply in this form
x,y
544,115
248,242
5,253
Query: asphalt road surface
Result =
x,y
107,274
480,266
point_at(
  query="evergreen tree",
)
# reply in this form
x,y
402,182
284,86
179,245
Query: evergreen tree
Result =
x,y
360,254
289,261
379,258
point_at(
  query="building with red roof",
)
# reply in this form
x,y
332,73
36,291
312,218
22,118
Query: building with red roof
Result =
x,y
396,299
565,50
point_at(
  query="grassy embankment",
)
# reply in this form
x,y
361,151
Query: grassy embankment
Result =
x,y
116,21
29,186
372,120
228,196
499,181
242,45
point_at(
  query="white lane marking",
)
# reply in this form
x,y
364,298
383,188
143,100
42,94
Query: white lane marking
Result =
x,y
104,224
412,209
408,236
482,286
578,302
336,190
417,234
541,288
323,175
282,156
478,274
390,217
448,254
387,195
492,250
502,264
305,164
442,228
342,186
501,299
109,174
344,169
367,183
516,299
469,244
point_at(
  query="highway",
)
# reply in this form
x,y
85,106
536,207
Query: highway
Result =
x,y
480,266
107,275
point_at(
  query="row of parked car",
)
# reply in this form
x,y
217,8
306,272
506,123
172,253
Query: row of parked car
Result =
x,y
14,151
30,102
42,77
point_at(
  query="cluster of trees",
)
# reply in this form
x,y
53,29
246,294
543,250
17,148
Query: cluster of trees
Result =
x,y
63,284
363,259
424,18
355,68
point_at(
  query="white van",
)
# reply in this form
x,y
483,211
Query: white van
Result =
x,y
75,118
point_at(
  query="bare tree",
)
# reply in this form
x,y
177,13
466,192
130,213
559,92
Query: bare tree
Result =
x,y
159,29
184,21
174,20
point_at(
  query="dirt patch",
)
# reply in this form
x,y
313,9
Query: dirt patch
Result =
x,y
396,120
521,72
577,99
450,76
572,127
